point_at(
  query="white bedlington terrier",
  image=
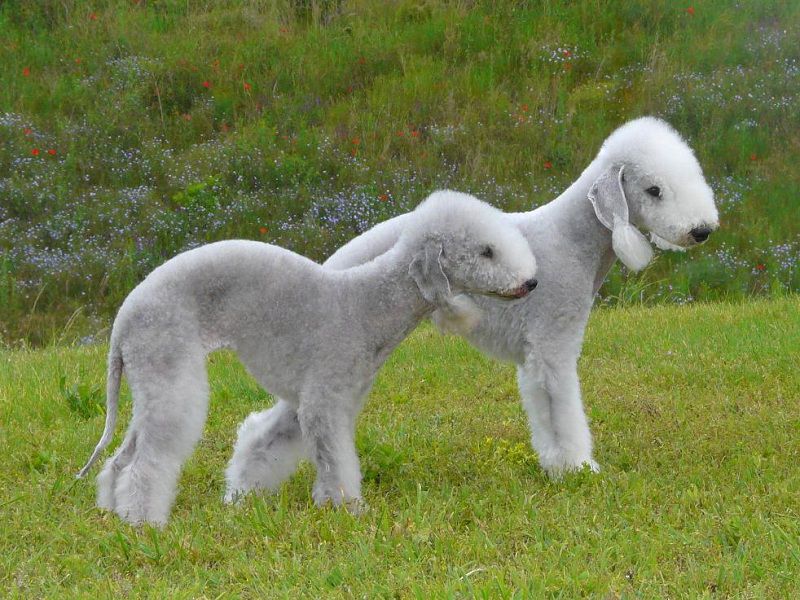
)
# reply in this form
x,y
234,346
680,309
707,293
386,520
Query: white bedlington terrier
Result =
x,y
314,336
645,175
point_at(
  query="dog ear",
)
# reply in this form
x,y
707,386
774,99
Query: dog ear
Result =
x,y
608,197
611,207
426,271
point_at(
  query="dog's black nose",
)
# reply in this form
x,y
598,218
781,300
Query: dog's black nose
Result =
x,y
700,234
531,284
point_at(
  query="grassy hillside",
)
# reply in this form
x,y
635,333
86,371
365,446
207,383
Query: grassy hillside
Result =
x,y
130,130
696,420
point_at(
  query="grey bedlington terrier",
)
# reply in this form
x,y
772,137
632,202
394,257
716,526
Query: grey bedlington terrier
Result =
x,y
314,336
645,175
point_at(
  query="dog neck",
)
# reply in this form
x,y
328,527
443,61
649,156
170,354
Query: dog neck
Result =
x,y
397,309
574,217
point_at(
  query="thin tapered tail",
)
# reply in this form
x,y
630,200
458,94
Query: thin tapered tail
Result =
x,y
112,401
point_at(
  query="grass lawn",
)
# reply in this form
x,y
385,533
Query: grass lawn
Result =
x,y
697,427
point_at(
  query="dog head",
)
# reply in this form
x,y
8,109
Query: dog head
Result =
x,y
651,179
467,246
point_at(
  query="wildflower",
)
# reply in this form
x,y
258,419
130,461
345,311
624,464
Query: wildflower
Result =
x,y
187,117
26,71
247,87
383,197
401,133
77,61
761,267
548,164
207,84
524,108
35,152
690,10
93,16
51,152
567,53
753,156
263,230
415,133
356,141
27,131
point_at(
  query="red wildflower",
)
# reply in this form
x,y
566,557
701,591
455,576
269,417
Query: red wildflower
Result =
x,y
690,10
263,230
567,53
548,164
247,87
401,133
27,131
383,197
753,157
35,152
356,141
414,133
93,16
187,117
524,108
77,61
760,267
51,152
26,71
206,84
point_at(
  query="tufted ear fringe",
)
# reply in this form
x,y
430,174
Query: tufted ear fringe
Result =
x,y
458,316
630,246
611,208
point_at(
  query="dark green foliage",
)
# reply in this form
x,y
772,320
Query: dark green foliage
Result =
x,y
303,122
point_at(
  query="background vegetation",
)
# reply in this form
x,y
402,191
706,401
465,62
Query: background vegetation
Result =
x,y
132,130
696,427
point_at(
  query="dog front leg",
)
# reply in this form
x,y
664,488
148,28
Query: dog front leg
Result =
x,y
328,432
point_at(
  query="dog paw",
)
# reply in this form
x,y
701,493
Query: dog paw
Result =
x,y
556,469
337,499
233,496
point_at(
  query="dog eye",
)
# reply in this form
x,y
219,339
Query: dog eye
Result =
x,y
488,252
654,191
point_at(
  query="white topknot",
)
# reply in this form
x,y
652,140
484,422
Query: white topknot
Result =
x,y
654,145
